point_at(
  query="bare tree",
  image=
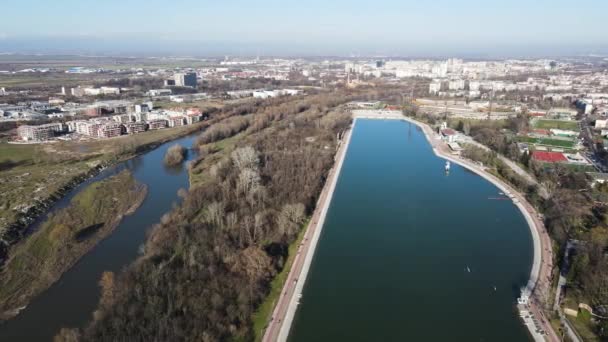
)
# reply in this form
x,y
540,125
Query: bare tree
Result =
x,y
245,157
249,181
215,213
290,217
67,335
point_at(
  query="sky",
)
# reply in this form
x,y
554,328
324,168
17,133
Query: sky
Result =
x,y
306,27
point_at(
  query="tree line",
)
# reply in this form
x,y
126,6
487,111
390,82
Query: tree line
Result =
x,y
208,264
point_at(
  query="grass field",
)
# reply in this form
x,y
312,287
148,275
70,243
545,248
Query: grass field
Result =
x,y
207,103
548,142
17,153
57,80
28,173
559,124
580,168
582,324
62,62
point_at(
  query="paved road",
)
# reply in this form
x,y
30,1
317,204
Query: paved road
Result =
x,y
515,167
558,293
562,276
587,136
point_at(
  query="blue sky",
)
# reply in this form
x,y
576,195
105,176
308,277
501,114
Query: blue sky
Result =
x,y
391,27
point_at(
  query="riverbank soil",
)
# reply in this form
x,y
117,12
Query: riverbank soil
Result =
x,y
37,262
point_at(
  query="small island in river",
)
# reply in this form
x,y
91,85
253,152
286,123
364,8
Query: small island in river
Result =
x,y
67,234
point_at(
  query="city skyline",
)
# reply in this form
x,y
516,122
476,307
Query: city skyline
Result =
x,y
472,28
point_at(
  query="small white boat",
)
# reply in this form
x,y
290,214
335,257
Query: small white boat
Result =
x,y
447,166
468,269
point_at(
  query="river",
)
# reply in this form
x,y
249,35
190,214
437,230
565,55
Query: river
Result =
x,y
71,301
410,253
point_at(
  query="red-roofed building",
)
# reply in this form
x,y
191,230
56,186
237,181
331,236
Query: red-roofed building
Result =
x,y
448,131
549,157
448,134
193,111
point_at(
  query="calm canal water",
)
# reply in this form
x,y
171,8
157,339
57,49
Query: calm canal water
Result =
x,y
391,264
71,301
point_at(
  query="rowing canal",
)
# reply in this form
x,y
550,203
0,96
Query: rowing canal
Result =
x,y
410,253
71,301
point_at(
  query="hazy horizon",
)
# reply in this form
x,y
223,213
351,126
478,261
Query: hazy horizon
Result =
x,y
467,28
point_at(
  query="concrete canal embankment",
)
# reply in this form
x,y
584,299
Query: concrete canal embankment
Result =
x,y
441,150
407,247
389,236
284,312
539,282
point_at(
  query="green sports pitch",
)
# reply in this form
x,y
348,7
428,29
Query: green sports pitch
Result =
x,y
559,124
548,142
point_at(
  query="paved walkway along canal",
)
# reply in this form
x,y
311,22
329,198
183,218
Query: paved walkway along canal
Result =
x,y
285,309
409,252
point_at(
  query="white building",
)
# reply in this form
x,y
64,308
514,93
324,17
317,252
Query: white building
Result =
x,y
474,85
474,93
90,91
435,87
159,92
142,108
237,94
56,101
456,84
264,94
187,79
601,124
40,132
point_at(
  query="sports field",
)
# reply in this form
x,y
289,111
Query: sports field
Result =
x,y
559,124
548,142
